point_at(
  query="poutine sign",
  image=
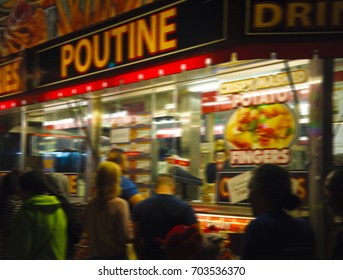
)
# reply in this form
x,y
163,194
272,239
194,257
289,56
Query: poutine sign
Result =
x,y
155,34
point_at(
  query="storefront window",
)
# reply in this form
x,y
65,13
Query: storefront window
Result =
x,y
57,141
338,113
230,117
127,122
255,115
166,123
10,142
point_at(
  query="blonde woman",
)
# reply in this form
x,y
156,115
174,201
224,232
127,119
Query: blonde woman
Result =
x,y
107,216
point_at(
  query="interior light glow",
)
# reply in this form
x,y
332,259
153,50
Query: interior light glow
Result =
x,y
208,61
165,122
205,87
115,115
169,106
304,109
304,120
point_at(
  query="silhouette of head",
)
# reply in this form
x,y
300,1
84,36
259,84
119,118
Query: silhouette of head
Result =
x,y
270,189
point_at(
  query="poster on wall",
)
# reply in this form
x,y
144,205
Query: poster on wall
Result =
x,y
261,127
261,134
26,23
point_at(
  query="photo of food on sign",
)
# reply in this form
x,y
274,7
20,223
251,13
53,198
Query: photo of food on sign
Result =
x,y
27,23
22,25
267,126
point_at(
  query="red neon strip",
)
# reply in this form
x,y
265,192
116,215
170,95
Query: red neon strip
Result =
x,y
291,50
153,72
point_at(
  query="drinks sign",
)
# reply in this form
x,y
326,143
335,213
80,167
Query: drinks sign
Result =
x,y
294,17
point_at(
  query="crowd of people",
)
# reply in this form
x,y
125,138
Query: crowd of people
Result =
x,y
38,222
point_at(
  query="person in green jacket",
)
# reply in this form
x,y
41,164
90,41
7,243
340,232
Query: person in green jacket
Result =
x,y
39,230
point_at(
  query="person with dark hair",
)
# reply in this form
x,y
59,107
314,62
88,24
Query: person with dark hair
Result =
x,y
129,190
59,187
274,234
107,216
39,230
333,193
10,203
220,161
155,216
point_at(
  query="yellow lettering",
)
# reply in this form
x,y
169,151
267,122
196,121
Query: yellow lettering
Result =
x,y
132,41
298,11
15,76
165,29
262,20
1,81
67,57
7,78
321,13
83,45
147,37
104,48
10,78
129,41
337,13
118,34
72,188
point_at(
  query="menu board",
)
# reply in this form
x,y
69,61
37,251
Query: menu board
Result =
x,y
133,135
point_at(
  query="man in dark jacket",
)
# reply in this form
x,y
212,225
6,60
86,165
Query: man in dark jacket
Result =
x,y
155,216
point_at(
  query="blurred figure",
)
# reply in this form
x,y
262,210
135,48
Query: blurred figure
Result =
x,y
59,187
39,230
186,183
10,203
107,216
274,234
155,216
220,161
129,190
333,192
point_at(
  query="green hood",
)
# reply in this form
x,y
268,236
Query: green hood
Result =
x,y
39,230
42,203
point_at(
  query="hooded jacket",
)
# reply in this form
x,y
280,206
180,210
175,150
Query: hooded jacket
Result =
x,y
39,230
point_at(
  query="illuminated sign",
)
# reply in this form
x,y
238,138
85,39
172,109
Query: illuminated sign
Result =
x,y
261,134
264,82
178,27
260,127
281,17
157,36
11,77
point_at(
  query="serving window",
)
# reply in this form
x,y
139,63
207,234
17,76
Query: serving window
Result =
x,y
259,115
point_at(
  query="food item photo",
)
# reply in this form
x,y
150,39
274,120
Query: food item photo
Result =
x,y
261,127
